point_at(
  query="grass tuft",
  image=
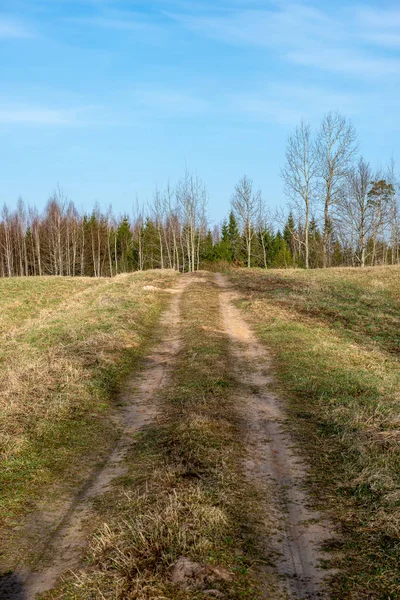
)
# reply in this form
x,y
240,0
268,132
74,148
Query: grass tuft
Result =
x,y
69,343
185,495
334,336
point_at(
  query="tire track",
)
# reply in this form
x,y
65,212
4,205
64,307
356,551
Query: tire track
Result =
x,y
293,531
62,549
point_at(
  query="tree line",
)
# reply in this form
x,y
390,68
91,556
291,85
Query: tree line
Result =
x,y
340,213
343,211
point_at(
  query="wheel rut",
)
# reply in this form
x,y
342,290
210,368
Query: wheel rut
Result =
x,y
293,533
63,539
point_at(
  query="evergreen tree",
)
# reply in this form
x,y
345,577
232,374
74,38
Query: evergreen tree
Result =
x,y
152,258
281,256
207,248
222,250
288,232
289,237
316,259
337,253
224,231
235,243
125,246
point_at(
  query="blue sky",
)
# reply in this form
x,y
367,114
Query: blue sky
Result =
x,y
110,98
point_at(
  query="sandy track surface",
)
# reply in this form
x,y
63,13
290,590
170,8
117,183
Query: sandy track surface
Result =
x,y
293,532
61,548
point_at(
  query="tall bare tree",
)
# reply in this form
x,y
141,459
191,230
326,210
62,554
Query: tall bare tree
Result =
x,y
246,205
336,148
299,175
158,215
354,210
7,241
394,213
192,201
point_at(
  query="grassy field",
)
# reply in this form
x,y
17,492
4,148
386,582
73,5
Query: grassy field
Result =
x,y
185,494
66,346
335,339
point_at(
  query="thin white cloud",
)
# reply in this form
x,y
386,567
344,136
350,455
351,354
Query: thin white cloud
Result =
x,y
10,28
380,27
307,36
275,103
373,18
35,115
118,21
291,26
351,63
286,104
170,101
383,39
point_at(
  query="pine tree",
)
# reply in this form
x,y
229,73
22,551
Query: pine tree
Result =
x,y
235,241
124,246
222,248
207,248
288,236
316,260
281,254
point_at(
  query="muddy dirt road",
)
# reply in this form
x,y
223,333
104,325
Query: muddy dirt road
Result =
x,y
291,533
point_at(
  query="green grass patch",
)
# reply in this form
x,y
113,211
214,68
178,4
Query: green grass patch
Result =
x,y
334,337
60,371
185,494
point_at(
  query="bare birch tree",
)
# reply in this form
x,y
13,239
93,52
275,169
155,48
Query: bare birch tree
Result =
x,y
394,213
191,196
299,175
246,205
354,210
336,147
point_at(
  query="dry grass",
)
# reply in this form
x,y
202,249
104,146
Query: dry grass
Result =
x,y
22,299
335,338
67,345
185,495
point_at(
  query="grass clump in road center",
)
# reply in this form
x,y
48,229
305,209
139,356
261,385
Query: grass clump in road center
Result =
x,y
185,495
67,345
335,338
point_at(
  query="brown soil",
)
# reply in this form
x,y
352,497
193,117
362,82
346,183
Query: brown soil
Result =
x,y
61,532
294,532
195,576
291,533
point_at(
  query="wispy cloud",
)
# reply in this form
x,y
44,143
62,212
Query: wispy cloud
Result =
x,y
11,28
285,103
282,26
276,103
342,61
382,18
308,36
117,20
383,39
379,27
170,101
40,115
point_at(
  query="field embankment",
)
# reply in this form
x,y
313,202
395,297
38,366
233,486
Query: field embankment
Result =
x,y
335,339
67,344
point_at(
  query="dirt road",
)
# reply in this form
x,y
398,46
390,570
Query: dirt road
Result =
x,y
291,532
61,544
